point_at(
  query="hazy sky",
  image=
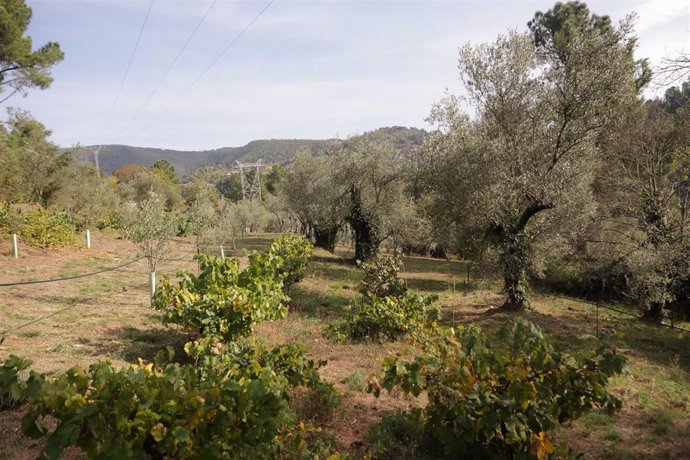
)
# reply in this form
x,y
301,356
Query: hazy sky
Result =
x,y
304,69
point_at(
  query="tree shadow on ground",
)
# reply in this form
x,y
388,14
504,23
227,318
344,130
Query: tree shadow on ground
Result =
x,y
131,343
576,331
337,273
315,304
333,259
428,265
436,285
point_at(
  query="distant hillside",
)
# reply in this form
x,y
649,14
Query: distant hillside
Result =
x,y
281,151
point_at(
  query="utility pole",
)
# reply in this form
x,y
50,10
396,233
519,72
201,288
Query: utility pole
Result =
x,y
96,150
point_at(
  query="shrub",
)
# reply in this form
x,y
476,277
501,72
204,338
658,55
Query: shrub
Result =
x,y
112,220
388,318
10,385
486,402
381,277
295,253
183,225
43,229
232,403
11,220
224,301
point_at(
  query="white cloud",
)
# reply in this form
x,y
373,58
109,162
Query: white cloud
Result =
x,y
655,13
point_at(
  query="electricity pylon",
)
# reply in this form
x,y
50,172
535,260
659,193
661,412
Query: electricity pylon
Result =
x,y
251,189
96,149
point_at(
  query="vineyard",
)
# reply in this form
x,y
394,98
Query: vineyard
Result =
x,y
508,279
339,388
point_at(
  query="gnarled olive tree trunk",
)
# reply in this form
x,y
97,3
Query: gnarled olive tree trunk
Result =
x,y
514,259
514,245
367,239
325,237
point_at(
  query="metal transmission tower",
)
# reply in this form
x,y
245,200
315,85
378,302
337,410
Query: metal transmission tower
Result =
x,y
251,187
96,150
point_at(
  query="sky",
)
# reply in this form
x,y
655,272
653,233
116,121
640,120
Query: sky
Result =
x,y
301,69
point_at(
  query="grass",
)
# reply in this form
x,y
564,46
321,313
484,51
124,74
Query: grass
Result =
x,y
355,382
110,318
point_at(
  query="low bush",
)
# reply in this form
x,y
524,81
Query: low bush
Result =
x,y
224,301
381,277
295,253
490,402
38,227
11,219
10,385
386,311
113,221
231,403
388,318
44,230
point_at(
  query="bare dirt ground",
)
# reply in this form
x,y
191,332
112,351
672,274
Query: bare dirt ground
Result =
x,y
108,316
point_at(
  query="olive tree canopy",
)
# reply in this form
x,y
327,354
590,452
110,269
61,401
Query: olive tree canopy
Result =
x,y
522,169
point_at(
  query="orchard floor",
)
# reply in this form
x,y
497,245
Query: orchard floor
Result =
x,y
107,316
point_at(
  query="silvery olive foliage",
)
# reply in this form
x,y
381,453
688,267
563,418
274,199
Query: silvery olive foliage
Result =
x,y
519,171
150,227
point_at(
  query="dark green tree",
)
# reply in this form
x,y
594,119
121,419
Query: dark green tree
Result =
x,y
31,167
22,68
557,31
274,177
166,171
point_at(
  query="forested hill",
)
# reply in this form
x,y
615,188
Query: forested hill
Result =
x,y
270,151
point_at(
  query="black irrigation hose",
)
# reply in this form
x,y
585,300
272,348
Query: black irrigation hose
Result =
x,y
3,334
623,312
184,256
83,275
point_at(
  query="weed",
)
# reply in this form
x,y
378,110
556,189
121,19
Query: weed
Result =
x,y
355,382
613,435
30,334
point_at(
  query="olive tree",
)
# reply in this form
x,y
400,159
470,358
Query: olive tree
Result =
x,y
310,189
374,192
151,228
85,196
646,196
227,226
31,167
522,169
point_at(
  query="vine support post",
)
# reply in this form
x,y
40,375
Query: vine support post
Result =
x,y
152,284
454,305
15,247
88,239
222,253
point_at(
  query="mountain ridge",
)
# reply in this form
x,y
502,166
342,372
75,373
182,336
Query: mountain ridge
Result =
x,y
114,156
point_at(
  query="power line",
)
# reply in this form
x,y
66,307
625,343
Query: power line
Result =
x,y
167,72
203,72
124,77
